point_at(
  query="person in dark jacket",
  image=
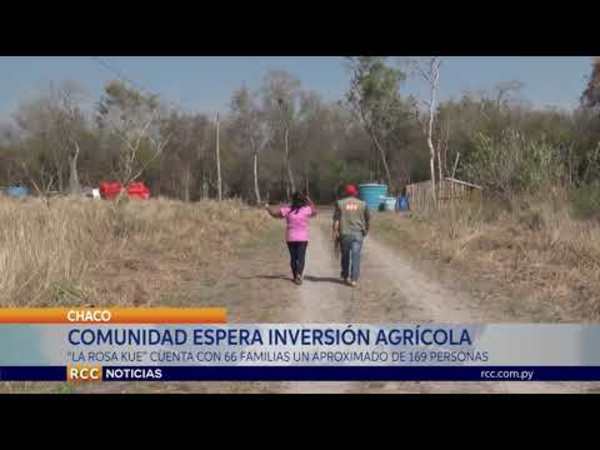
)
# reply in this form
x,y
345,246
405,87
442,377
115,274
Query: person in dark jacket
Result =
x,y
402,204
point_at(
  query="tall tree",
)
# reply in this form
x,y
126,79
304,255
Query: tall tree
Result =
x,y
280,96
251,130
505,89
218,159
57,122
134,118
186,157
429,71
375,100
591,95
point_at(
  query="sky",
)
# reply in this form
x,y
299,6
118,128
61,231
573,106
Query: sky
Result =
x,y
205,84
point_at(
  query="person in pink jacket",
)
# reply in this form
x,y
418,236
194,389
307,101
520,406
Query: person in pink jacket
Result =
x,y
297,217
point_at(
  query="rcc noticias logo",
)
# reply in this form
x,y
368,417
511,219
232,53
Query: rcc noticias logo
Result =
x,y
84,373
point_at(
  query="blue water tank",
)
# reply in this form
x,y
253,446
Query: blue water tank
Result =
x,y
17,191
373,194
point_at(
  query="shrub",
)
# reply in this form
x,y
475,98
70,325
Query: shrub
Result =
x,y
513,164
585,202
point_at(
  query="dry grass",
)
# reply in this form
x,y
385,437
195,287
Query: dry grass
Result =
x,y
531,250
76,251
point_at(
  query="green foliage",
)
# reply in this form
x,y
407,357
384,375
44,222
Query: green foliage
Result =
x,y
591,95
118,95
375,100
504,145
335,173
513,163
585,201
374,94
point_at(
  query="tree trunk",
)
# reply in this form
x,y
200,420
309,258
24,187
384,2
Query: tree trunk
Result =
x,y
431,158
446,146
439,160
59,177
204,187
306,184
285,185
288,166
386,168
432,152
380,150
455,165
306,178
74,185
219,181
186,184
255,171
570,159
432,170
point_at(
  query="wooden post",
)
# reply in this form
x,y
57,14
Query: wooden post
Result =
x,y
219,182
455,164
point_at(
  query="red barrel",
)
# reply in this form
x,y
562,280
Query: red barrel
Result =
x,y
110,189
138,190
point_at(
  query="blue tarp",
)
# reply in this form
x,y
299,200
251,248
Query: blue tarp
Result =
x,y
402,204
17,191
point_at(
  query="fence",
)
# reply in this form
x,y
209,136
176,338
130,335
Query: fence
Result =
x,y
448,190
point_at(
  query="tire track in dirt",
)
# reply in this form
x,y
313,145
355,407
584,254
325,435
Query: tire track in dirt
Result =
x,y
390,291
428,301
323,298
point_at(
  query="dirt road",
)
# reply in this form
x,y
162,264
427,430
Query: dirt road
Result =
x,y
390,291
256,288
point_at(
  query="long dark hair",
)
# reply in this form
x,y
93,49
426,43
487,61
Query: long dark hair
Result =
x,y
298,201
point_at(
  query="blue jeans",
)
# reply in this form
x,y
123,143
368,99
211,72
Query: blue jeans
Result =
x,y
351,247
297,257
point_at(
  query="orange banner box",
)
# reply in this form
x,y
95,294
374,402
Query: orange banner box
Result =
x,y
113,315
